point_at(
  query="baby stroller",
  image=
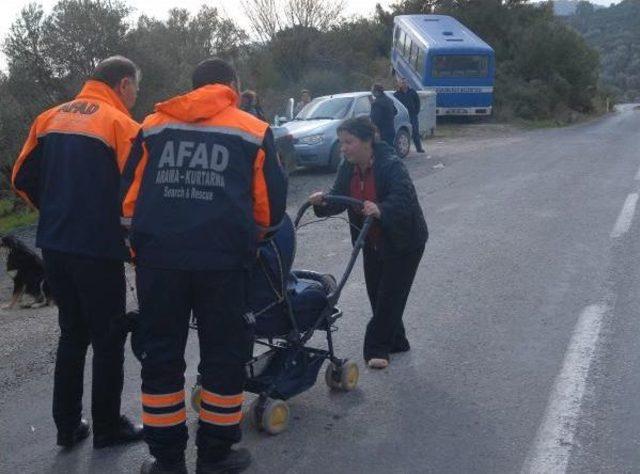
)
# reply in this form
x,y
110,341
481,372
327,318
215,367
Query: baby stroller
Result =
x,y
288,306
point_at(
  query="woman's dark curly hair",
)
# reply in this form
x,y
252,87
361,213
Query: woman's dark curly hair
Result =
x,y
360,127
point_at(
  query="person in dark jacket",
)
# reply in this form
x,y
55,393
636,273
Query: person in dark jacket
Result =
x,y
394,246
202,185
250,103
410,99
69,169
383,112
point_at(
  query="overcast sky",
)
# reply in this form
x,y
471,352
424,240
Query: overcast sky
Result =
x,y
158,8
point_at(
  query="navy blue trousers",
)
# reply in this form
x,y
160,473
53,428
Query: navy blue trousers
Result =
x,y
91,297
218,300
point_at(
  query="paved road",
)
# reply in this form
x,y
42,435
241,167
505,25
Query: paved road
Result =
x,y
523,322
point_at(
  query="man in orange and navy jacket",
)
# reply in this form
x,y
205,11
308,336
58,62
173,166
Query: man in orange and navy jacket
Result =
x,y
69,169
201,186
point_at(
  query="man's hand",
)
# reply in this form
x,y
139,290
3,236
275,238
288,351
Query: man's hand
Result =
x,y
371,209
317,199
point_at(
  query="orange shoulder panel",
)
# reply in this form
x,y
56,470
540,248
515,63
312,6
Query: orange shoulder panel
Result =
x,y
235,118
28,147
79,117
130,199
261,209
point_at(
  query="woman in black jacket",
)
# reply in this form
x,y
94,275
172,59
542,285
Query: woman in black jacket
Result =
x,y
395,243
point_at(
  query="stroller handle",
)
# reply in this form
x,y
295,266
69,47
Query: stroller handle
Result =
x,y
330,198
357,246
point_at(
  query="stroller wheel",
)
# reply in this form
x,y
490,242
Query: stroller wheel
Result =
x,y
344,377
332,376
349,375
270,415
196,397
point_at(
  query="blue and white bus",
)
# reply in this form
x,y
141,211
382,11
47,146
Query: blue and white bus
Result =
x,y
437,52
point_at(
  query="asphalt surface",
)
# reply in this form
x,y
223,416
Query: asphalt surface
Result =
x,y
522,241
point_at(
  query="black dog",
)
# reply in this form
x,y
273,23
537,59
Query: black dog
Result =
x,y
27,271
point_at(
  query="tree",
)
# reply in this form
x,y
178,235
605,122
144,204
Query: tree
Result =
x,y
167,51
270,17
79,33
30,70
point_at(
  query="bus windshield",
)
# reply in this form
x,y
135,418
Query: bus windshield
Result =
x,y
326,108
455,65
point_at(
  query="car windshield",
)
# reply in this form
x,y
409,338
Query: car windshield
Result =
x,y
326,108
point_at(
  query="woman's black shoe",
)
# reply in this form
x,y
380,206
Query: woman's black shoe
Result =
x,y
237,461
126,432
153,466
69,440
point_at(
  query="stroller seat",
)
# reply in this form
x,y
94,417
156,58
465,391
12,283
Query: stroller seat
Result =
x,y
307,291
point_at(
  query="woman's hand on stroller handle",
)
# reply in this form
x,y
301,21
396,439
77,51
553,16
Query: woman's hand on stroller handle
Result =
x,y
371,209
317,199
320,198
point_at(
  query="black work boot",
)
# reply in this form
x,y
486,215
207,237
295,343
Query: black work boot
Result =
x,y
70,439
155,466
125,432
236,461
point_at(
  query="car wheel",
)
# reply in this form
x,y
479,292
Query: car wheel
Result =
x,y
402,143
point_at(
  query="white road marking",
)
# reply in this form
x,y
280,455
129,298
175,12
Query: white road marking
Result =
x,y
555,438
626,216
637,178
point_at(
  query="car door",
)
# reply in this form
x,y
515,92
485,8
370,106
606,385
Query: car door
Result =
x,y
362,107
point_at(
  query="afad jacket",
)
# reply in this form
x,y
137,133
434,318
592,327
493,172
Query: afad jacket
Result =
x,y
69,169
203,183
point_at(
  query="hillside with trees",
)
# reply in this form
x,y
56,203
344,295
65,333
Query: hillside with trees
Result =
x,y
545,69
615,33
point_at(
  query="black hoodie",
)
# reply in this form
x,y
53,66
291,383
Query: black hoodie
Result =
x,y
383,112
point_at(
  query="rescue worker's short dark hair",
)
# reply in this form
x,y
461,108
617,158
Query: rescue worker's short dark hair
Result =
x,y
360,127
213,71
377,89
115,68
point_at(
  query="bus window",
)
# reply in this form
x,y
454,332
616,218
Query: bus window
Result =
x,y
396,37
460,66
401,39
406,46
420,63
413,55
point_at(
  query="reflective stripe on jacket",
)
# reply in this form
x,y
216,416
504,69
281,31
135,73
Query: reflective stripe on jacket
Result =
x,y
202,183
69,169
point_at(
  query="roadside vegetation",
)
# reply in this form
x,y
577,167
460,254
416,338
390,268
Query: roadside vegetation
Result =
x,y
614,33
546,71
13,215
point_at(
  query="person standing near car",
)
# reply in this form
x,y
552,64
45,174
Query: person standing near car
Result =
x,y
395,243
250,103
305,98
410,99
69,169
383,112
203,183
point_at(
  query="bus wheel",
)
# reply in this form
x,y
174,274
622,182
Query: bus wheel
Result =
x,y
403,142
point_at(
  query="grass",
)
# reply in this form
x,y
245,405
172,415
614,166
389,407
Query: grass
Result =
x,y
10,218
